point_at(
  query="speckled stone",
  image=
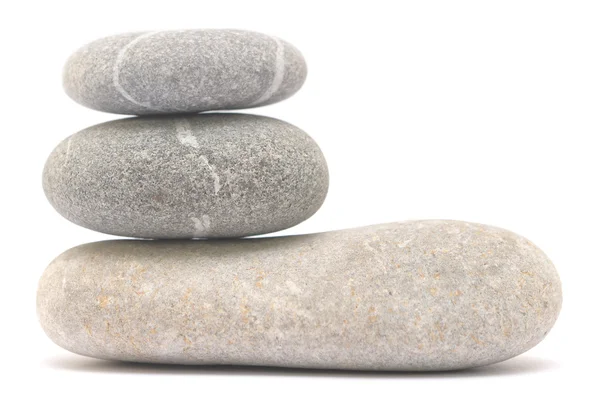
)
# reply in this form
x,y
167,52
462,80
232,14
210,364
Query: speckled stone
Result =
x,y
183,71
421,295
195,176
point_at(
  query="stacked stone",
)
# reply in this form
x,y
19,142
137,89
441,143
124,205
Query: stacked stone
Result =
x,y
421,295
174,174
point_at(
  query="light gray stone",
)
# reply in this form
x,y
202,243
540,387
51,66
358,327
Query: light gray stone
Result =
x,y
420,295
195,176
183,71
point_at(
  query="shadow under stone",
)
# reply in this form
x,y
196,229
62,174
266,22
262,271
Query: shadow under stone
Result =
x,y
520,365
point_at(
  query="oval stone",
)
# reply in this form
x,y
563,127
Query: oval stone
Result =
x,y
183,71
420,295
196,176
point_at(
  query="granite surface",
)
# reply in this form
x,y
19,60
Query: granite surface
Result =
x,y
183,71
195,176
416,296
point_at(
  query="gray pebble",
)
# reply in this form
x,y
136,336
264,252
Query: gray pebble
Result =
x,y
420,295
183,72
195,176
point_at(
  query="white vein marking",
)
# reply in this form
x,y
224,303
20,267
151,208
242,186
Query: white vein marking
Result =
x,y
404,243
186,137
216,178
184,133
68,152
279,73
117,67
201,225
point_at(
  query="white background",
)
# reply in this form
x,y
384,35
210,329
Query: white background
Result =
x,y
486,111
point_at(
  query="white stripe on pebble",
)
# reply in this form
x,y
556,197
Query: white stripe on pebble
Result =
x,y
117,67
279,73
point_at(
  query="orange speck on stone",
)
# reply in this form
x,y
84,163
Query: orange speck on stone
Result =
x,y
476,339
186,296
527,273
103,300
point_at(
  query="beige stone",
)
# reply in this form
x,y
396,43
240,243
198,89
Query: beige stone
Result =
x,y
421,295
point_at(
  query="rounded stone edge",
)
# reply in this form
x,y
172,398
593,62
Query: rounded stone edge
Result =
x,y
87,72
295,72
548,269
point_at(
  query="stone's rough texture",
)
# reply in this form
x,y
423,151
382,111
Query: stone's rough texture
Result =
x,y
183,71
422,295
203,176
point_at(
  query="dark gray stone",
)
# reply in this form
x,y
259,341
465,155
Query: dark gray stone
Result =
x,y
421,295
183,72
195,176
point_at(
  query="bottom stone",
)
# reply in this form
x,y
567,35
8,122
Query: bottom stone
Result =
x,y
422,295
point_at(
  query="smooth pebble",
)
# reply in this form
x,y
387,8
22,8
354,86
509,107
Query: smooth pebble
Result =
x,y
415,296
194,176
183,71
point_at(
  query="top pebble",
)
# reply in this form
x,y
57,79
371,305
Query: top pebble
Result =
x,y
186,71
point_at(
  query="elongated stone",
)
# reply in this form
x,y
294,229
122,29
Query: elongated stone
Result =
x,y
185,71
421,295
195,176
